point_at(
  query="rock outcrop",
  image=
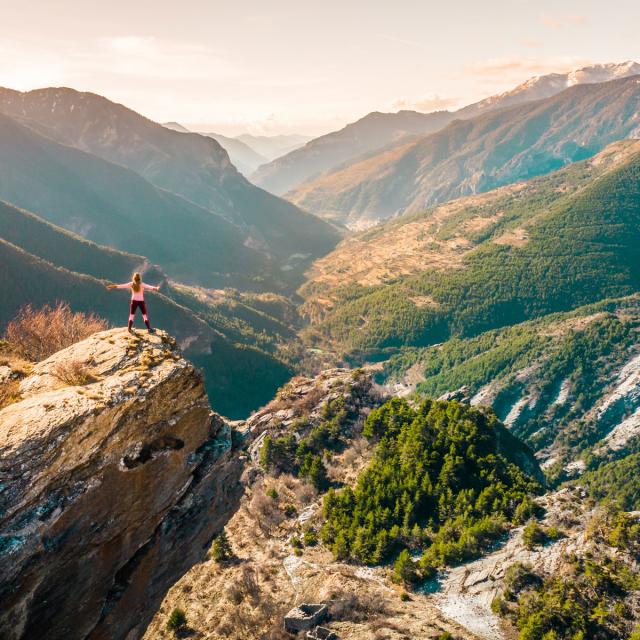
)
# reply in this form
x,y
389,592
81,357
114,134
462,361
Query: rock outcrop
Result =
x,y
109,490
465,593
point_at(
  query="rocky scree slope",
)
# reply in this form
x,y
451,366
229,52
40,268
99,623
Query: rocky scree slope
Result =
x,y
467,592
110,489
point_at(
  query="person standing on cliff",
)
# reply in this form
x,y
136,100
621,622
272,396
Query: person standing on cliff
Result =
x,y
137,299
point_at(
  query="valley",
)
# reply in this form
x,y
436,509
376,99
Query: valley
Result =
x,y
405,384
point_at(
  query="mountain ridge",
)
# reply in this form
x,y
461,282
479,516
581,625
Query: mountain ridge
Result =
x,y
471,156
538,87
189,165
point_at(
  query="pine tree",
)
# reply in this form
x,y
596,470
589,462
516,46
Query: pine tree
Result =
x,y
177,620
318,474
266,453
404,569
221,550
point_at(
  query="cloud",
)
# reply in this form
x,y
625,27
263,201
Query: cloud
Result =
x,y
562,21
433,102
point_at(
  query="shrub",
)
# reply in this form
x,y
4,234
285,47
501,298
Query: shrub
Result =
x,y
404,569
499,607
177,620
517,577
39,333
221,549
553,533
405,597
310,538
73,372
289,511
526,510
533,535
272,493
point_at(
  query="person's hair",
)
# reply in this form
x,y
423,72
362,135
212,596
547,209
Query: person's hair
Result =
x,y
137,281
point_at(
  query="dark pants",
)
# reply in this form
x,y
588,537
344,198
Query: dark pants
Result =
x,y
132,312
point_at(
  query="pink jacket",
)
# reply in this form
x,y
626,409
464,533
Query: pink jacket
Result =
x,y
137,295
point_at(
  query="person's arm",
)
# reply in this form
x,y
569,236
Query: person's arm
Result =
x,y
151,287
125,285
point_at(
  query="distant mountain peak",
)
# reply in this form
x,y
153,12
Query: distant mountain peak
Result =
x,y
175,126
546,85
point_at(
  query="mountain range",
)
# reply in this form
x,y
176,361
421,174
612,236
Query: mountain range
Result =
x,y
297,171
248,152
189,165
474,155
316,156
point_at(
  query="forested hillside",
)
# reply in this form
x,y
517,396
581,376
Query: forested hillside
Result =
x,y
580,249
439,480
564,384
440,236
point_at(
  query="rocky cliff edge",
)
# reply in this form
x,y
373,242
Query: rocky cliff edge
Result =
x,y
114,476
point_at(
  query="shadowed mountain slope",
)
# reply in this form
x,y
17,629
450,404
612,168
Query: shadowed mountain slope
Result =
x,y
188,164
111,205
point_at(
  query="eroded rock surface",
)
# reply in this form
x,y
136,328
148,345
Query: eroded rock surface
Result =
x,y
110,490
465,592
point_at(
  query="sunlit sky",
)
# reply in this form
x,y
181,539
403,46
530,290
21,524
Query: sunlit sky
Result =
x,y
282,66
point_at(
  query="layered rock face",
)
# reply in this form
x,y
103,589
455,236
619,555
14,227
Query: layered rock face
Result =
x,y
109,490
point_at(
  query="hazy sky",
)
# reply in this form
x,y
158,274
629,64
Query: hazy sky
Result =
x,y
271,66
